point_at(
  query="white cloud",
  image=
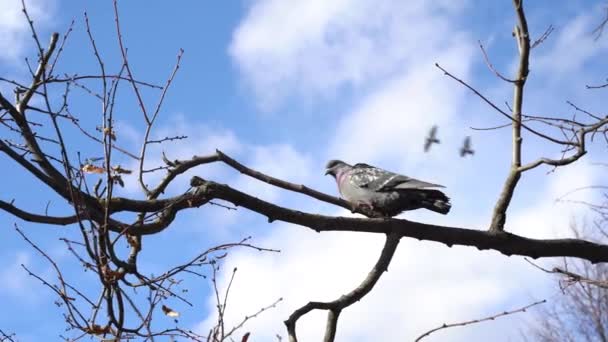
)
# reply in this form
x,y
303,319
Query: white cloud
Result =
x,y
15,33
393,121
572,47
313,48
551,218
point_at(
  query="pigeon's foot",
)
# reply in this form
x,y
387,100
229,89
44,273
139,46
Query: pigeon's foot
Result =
x,y
366,209
361,207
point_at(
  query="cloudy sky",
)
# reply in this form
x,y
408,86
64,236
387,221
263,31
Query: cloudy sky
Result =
x,y
285,86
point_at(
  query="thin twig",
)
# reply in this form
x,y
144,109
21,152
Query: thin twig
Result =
x,y
491,66
474,321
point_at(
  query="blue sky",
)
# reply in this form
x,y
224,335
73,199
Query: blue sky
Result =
x,y
285,86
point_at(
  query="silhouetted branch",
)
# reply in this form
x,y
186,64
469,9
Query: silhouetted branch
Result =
x,y
474,321
505,243
335,307
491,66
543,37
4,337
572,277
599,30
24,215
220,332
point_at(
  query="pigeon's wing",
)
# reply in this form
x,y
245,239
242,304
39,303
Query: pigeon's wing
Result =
x,y
377,179
427,144
363,166
433,132
467,143
404,182
367,176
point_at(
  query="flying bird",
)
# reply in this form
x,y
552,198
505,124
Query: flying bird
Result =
x,y
431,139
385,192
466,147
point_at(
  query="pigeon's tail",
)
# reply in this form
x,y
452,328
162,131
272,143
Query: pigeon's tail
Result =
x,y
436,201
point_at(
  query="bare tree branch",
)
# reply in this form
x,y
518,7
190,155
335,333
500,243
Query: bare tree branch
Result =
x,y
507,243
335,307
475,321
522,37
24,215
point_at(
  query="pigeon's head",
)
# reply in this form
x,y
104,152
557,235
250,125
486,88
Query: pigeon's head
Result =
x,y
334,167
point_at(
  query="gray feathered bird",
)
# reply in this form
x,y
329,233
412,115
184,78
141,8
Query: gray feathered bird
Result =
x,y
466,147
431,139
385,192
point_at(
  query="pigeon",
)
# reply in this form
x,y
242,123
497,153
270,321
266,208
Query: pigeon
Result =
x,y
383,192
431,139
466,147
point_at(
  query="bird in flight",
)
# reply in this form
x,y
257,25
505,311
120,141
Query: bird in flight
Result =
x,y
466,147
431,139
384,192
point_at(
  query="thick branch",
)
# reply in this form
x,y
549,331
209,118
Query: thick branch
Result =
x,y
26,216
18,115
44,60
52,183
505,243
179,167
523,43
335,307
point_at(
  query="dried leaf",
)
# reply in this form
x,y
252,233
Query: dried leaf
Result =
x,y
90,168
133,241
110,275
96,329
109,132
65,296
245,337
170,312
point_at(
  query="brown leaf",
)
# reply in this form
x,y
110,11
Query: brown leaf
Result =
x,y
112,134
110,275
133,241
90,168
245,337
65,296
170,312
97,329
